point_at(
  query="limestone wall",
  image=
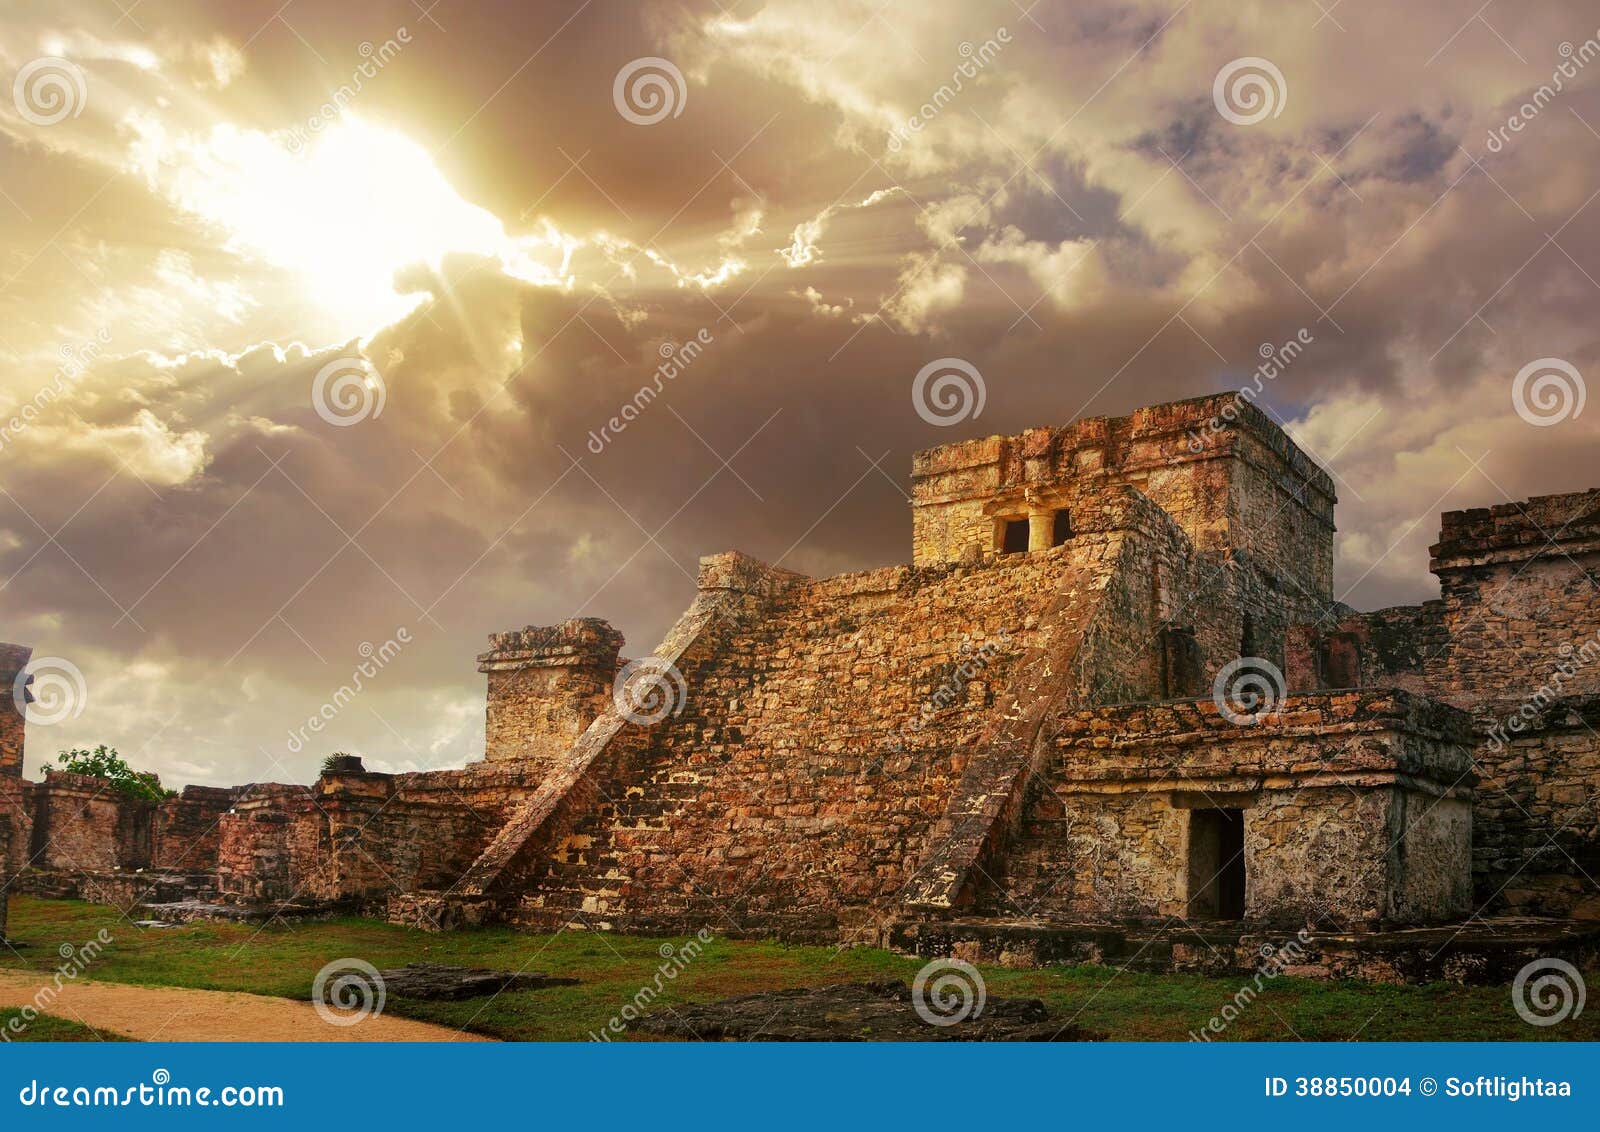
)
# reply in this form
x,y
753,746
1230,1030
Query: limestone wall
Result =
x,y
1355,808
13,659
545,686
1514,640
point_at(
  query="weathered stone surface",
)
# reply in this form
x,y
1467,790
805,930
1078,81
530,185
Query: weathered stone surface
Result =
x,y
439,981
855,1012
1020,724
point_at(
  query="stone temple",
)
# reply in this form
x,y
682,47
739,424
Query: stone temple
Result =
x,y
1111,711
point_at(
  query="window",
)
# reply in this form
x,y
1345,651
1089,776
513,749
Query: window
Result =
x,y
1216,865
1340,661
1014,539
1060,527
1180,664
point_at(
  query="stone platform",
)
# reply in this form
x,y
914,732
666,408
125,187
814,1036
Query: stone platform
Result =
x,y
1482,952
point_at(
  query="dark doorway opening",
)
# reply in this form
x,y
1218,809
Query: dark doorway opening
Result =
x,y
1060,528
1340,661
1216,865
1015,540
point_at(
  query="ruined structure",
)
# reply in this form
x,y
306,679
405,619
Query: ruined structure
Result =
x,y
1112,693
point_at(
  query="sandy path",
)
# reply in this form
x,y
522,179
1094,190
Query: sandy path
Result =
x,y
177,1014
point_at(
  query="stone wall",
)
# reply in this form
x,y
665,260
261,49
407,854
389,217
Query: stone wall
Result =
x,y
545,686
1514,640
1226,474
13,659
355,838
1355,809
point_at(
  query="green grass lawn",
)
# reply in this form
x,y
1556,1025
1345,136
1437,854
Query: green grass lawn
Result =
x,y
49,1028
1127,1007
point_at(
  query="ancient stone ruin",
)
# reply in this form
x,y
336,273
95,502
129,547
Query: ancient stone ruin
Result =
x,y
1113,698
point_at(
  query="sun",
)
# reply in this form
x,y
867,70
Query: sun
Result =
x,y
344,212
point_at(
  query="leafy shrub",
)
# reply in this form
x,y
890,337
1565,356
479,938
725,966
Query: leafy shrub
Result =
x,y
104,762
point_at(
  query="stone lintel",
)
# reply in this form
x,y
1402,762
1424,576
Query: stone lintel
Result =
x,y
578,642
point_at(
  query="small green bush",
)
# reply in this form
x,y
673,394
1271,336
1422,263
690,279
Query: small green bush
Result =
x,y
104,762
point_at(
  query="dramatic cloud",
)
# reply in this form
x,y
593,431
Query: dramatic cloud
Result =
x,y
323,325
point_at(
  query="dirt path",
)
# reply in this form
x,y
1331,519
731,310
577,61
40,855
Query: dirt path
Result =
x,y
177,1014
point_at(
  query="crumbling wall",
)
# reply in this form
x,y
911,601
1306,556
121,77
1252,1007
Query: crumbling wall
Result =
x,y
1514,640
546,684
1327,785
814,749
13,660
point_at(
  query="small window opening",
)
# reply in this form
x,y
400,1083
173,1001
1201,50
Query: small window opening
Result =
x,y
1015,540
1180,664
1340,658
1060,527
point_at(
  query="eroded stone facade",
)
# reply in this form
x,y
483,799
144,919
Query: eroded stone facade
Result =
x,y
1020,730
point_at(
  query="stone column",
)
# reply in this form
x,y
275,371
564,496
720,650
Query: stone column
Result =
x,y
13,659
13,826
546,685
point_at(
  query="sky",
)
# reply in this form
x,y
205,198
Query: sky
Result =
x,y
313,316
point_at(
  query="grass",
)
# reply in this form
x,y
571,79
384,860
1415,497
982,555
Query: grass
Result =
x,y
283,960
49,1028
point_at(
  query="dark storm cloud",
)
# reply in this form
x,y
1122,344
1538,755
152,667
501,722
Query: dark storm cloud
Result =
x,y
1078,222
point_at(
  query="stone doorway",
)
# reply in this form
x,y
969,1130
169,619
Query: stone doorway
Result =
x,y
1216,864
